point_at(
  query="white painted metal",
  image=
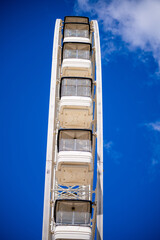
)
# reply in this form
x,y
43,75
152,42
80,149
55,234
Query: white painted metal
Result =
x,y
73,232
78,102
76,63
77,39
57,162
99,132
75,157
46,235
72,192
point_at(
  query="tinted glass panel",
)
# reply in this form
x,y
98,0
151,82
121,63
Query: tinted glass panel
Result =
x,y
76,87
80,54
73,213
73,140
76,33
74,145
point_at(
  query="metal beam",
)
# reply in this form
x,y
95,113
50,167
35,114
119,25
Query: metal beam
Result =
x,y
99,132
46,235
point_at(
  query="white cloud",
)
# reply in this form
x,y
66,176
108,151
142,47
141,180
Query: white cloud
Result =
x,y
135,22
154,125
113,154
154,162
108,146
154,146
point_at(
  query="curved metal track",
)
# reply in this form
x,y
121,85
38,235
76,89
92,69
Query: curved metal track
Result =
x,y
46,235
99,132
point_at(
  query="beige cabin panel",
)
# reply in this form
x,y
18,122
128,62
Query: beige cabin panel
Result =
x,y
76,72
75,117
74,174
74,167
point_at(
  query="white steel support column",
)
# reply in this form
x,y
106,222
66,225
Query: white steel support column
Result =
x,y
99,132
46,235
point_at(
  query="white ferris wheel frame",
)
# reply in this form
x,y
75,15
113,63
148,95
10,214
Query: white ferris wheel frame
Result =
x,y
51,139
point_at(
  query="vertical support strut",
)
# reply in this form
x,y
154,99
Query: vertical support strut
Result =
x,y
99,133
46,235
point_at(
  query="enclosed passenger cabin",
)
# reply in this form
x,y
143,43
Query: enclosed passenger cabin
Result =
x,y
74,157
76,59
76,108
76,29
72,219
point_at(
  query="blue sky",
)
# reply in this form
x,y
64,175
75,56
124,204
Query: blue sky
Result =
x,y
130,40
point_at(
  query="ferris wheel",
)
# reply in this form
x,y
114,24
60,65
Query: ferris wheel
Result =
x,y
73,206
